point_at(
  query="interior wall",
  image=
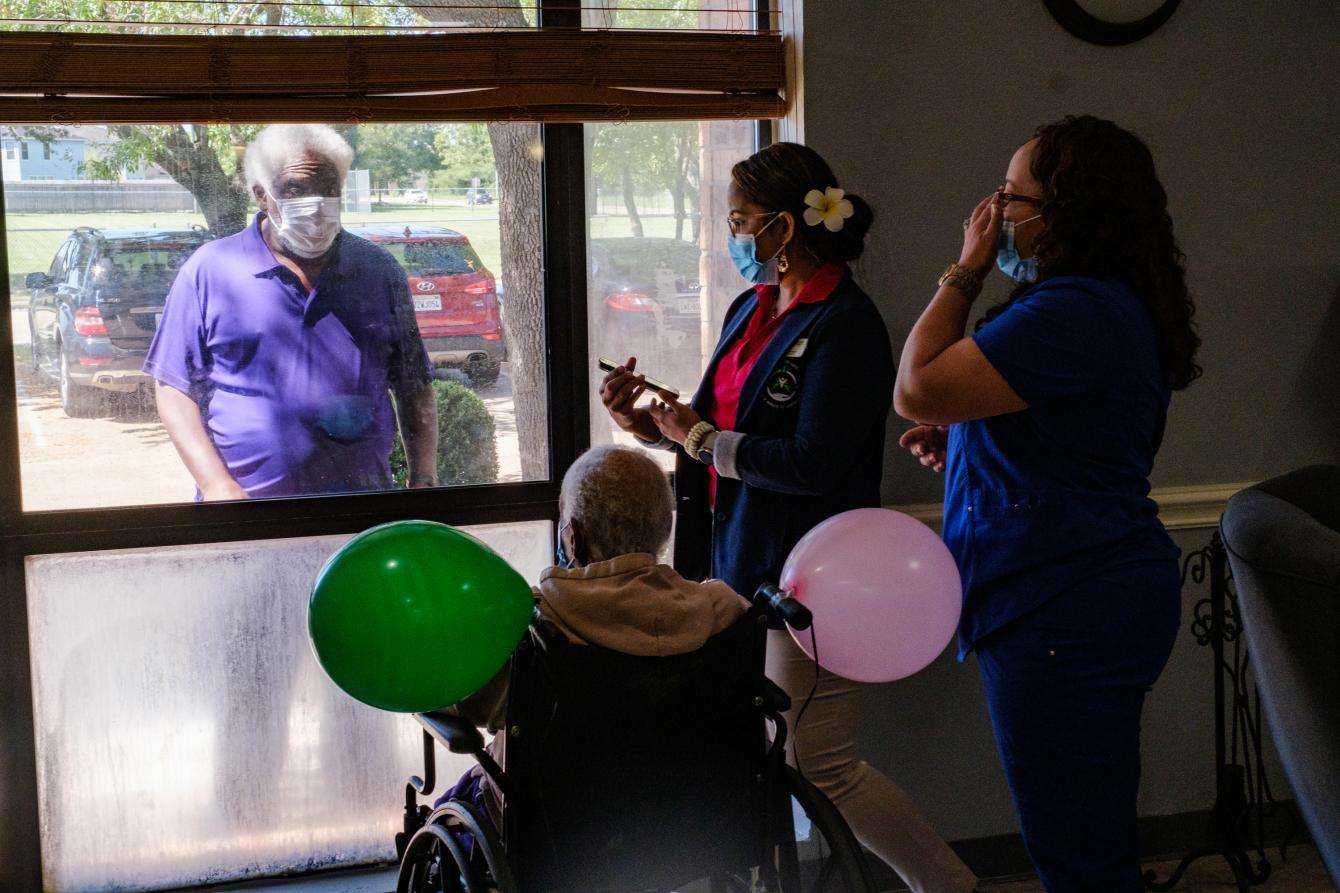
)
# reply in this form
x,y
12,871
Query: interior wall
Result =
x,y
918,108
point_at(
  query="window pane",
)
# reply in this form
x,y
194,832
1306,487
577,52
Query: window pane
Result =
x,y
659,278
276,16
185,734
700,15
297,391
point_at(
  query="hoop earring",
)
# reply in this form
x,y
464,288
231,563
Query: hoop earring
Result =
x,y
782,263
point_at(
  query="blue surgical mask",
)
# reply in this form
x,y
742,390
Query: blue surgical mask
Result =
x,y
1018,268
744,254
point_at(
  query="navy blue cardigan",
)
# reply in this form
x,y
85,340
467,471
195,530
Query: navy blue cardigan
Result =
x,y
813,410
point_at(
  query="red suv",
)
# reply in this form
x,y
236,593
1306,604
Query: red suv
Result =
x,y
455,297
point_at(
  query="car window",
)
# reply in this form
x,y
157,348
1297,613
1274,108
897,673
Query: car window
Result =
x,y
75,262
638,258
57,271
142,268
444,257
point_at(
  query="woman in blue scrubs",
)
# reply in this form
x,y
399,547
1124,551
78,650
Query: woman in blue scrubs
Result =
x,y
1047,420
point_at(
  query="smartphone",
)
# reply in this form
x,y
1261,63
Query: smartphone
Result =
x,y
609,365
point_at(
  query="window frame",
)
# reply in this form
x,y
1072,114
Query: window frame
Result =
x,y
563,240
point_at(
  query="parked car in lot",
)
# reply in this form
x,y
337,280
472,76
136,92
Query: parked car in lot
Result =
x,y
646,302
455,297
92,315
415,196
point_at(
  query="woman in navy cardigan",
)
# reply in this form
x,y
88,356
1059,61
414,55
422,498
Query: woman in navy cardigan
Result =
x,y
787,429
1047,420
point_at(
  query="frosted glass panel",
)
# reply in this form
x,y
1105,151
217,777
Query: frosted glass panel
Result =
x,y
185,734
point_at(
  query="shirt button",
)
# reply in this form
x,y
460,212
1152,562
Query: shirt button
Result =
x,y
721,516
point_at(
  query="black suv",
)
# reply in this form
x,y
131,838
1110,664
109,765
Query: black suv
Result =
x,y
93,314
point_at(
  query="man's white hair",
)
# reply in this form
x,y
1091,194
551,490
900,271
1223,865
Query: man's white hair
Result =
x,y
278,144
620,501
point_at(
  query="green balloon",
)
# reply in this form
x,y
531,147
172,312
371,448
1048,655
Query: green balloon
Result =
x,y
414,615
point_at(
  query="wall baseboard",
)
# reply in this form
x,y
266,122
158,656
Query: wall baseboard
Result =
x,y
1180,508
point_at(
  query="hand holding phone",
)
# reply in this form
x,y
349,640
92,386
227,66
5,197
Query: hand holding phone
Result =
x,y
661,387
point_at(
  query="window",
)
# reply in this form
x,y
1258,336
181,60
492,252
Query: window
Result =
x,y
46,151
659,280
137,605
10,152
452,278
179,710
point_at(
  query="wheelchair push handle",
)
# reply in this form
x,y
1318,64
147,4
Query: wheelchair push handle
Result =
x,y
778,603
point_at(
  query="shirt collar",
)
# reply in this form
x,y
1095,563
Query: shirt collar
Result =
x,y
816,290
260,259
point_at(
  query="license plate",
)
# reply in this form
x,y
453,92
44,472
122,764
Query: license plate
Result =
x,y
158,320
687,305
431,302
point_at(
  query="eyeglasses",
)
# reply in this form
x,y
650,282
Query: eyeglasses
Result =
x,y
735,220
1003,198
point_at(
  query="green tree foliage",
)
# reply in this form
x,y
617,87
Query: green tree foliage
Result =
x,y
396,153
466,153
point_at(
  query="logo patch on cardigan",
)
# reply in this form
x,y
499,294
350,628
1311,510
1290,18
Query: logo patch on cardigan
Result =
x,y
784,385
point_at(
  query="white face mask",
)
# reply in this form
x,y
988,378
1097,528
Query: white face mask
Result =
x,y
307,226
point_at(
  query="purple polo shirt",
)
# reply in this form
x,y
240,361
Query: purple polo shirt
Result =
x,y
293,387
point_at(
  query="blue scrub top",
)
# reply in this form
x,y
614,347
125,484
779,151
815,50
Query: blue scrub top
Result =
x,y
1039,500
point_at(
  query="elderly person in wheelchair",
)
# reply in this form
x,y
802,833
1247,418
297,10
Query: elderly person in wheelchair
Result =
x,y
637,744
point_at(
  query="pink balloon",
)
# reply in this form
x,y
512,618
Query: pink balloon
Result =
x,y
883,589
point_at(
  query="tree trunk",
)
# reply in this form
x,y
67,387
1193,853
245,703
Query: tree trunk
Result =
x,y
629,201
677,199
519,219
192,162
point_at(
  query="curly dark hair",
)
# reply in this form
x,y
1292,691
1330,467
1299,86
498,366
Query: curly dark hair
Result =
x,y
778,177
1105,215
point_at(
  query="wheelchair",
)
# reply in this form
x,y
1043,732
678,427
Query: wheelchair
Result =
x,y
625,773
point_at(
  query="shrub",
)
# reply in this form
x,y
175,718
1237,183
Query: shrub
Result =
x,y
466,452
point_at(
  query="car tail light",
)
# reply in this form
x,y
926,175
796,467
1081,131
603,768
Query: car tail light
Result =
x,y
492,336
630,301
88,321
482,288
94,361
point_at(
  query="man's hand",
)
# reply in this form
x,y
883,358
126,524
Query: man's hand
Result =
x,y
222,491
674,419
929,444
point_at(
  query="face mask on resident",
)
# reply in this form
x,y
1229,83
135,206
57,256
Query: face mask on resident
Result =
x,y
1007,255
744,254
307,226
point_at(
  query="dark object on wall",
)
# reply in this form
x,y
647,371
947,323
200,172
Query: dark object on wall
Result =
x,y
1243,800
1086,26
1283,540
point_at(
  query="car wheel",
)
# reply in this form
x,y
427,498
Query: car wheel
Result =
x,y
78,401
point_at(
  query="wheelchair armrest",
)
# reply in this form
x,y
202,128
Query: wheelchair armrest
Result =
x,y
456,734
774,699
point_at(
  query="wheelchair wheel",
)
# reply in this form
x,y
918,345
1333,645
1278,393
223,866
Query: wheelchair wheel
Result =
x,y
832,860
439,859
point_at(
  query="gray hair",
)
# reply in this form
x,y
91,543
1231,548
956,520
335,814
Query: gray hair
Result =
x,y
279,144
620,500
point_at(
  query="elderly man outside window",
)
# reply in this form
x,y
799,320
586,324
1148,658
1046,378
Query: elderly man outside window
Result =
x,y
279,346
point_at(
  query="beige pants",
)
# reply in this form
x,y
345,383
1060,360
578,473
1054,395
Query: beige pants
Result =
x,y
879,812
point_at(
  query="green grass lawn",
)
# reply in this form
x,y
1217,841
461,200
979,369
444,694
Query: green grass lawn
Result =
x,y
32,239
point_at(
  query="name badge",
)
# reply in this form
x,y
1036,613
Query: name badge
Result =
x,y
798,349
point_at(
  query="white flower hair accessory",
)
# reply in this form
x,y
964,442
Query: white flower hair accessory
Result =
x,y
827,207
